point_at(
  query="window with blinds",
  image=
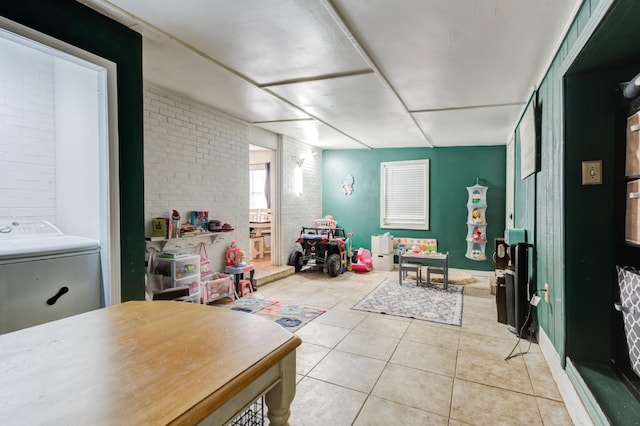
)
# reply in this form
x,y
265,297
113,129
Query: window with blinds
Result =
x,y
404,194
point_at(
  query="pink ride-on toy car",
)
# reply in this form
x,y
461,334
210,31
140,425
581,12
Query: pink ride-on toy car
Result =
x,y
364,263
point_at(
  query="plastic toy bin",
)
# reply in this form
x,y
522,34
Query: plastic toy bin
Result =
x,y
381,244
218,288
382,262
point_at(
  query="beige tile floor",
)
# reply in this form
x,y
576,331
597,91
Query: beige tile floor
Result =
x,y
359,368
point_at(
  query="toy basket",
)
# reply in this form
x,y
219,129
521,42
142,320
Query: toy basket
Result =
x,y
325,223
252,416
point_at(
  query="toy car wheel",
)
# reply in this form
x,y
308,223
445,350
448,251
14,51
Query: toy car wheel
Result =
x,y
297,261
334,265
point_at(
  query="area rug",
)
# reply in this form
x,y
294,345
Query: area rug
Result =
x,y
244,304
423,302
290,317
455,277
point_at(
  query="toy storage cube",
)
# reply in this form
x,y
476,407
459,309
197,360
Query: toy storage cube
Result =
x,y
382,261
181,272
222,286
381,244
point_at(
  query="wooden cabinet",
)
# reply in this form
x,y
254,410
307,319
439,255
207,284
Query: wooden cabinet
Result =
x,y
632,174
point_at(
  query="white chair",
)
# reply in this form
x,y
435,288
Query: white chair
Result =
x,y
256,249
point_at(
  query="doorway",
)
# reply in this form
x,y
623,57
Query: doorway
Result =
x,y
261,191
59,114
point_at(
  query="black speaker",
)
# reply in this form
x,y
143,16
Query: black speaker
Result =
x,y
517,290
501,259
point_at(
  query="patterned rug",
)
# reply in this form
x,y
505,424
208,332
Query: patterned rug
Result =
x,y
244,304
429,303
291,317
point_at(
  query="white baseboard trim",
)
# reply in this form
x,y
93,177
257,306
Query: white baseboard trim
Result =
x,y
575,407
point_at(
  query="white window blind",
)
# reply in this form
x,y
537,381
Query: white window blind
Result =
x,y
404,194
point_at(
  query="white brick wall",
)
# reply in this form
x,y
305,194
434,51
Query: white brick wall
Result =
x,y
27,134
196,158
300,210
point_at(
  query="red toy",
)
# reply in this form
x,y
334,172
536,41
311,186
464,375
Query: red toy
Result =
x,y
232,254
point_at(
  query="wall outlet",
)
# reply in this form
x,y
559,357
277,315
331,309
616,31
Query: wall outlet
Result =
x,y
546,292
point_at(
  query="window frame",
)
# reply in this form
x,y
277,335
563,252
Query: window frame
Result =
x,y
256,168
398,168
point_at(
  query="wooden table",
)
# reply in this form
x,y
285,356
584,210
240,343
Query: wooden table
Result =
x,y
438,259
260,227
153,363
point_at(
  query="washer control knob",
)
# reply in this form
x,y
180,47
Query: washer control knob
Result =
x,y
5,229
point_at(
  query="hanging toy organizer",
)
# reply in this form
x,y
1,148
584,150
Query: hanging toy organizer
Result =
x,y
476,222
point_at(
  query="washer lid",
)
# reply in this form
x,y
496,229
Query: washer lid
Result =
x,y
22,239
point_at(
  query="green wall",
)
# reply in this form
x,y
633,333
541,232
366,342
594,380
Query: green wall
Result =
x,y
590,131
574,227
69,21
451,171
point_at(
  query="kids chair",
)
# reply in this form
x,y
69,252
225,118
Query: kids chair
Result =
x,y
245,285
412,267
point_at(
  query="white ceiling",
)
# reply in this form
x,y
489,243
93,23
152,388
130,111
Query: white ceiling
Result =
x,y
347,74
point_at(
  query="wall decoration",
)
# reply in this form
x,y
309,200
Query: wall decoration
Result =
x,y
347,184
476,222
528,129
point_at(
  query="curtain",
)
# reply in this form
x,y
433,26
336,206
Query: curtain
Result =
x,y
267,183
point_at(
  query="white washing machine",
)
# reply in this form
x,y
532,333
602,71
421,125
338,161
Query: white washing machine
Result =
x,y
45,275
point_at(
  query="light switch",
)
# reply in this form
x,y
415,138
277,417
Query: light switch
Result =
x,y
592,172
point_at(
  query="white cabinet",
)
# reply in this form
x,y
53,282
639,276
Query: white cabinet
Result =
x,y
45,289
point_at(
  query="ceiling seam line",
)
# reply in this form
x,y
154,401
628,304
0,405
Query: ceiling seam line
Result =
x,y
467,107
285,120
339,20
317,78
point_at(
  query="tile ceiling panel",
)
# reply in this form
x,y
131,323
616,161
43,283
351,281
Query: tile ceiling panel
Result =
x,y
360,106
313,133
206,82
266,41
470,127
455,53
367,70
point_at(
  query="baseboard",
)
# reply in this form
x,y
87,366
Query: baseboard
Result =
x,y
575,407
475,272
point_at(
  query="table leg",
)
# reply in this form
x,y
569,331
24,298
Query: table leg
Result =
x,y
279,398
445,274
400,269
238,277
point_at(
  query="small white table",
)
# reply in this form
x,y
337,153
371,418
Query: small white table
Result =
x,y
260,227
438,259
